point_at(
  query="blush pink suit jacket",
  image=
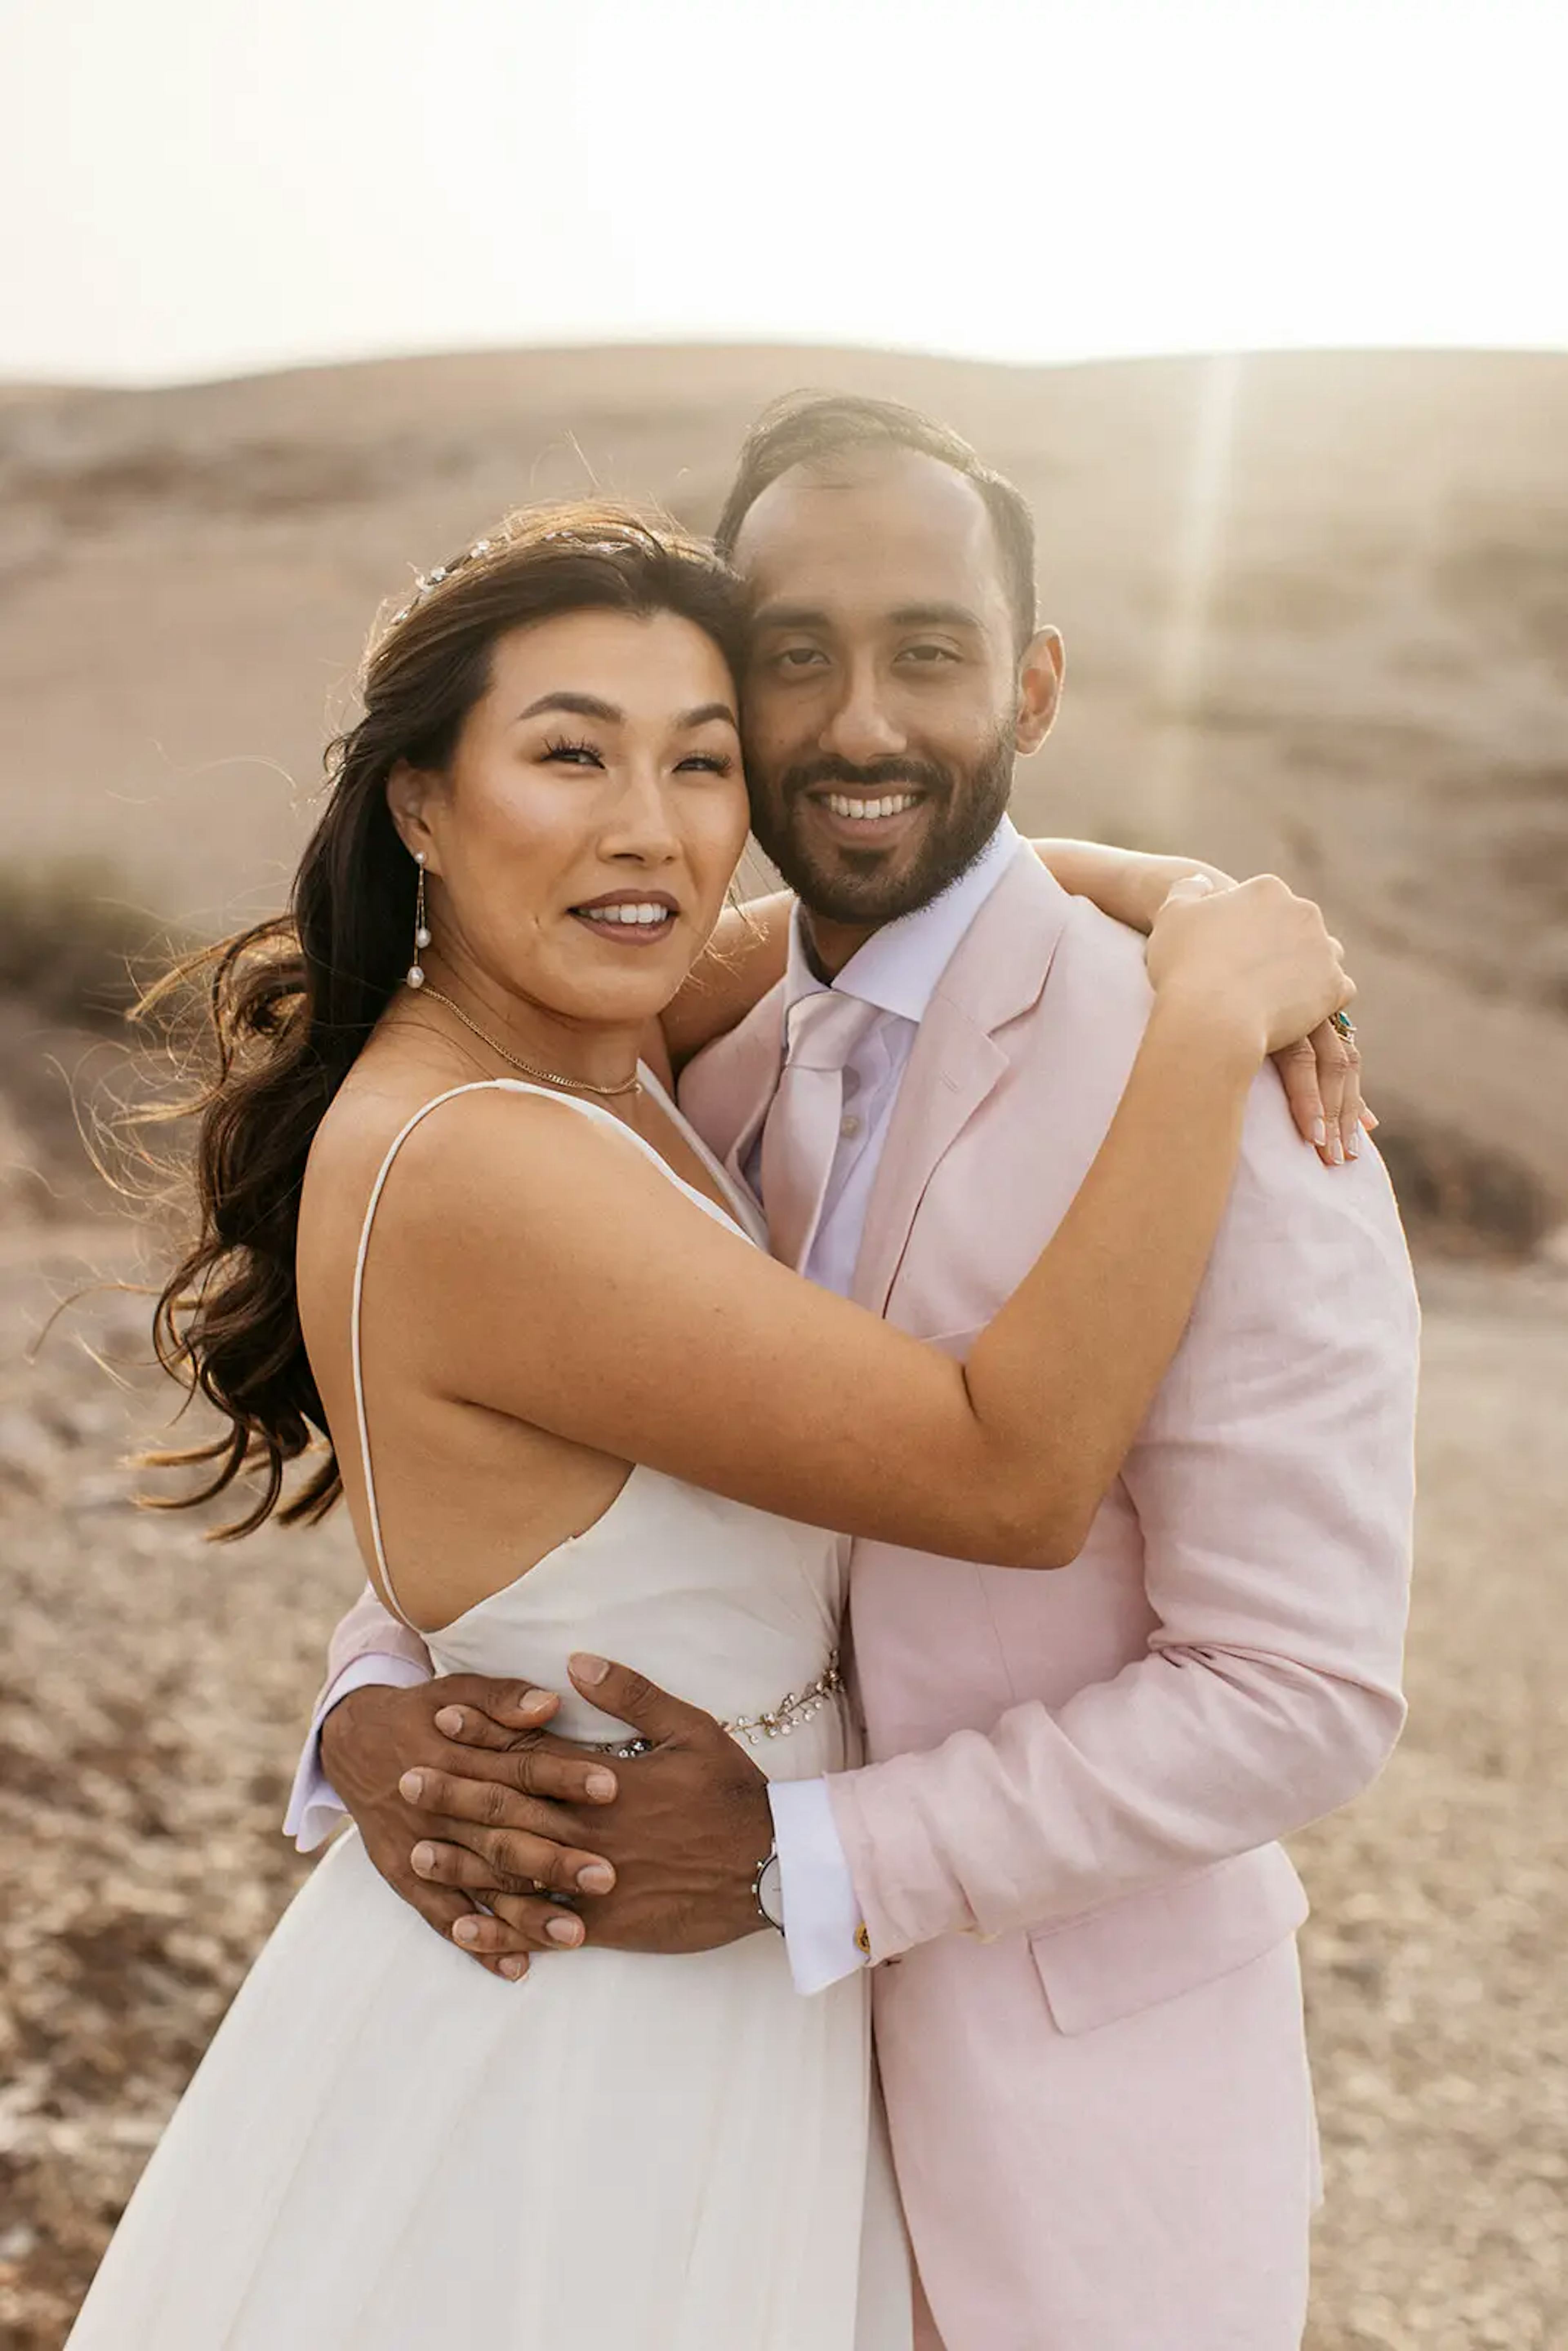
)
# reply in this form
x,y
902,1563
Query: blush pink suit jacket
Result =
x,y
1092,2041
1089,2022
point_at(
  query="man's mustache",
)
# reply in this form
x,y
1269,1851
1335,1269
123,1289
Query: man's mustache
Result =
x,y
899,773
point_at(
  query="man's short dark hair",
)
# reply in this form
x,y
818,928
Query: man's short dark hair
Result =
x,y
809,428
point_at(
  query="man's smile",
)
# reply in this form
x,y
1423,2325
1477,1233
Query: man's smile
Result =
x,y
866,811
864,819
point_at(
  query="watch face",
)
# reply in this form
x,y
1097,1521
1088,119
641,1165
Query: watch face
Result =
x,y
771,1893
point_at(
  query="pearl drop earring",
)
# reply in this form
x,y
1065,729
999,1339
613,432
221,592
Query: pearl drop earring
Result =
x,y
421,929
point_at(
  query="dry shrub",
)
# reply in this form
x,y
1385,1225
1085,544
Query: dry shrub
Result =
x,y
76,952
73,947
1460,1200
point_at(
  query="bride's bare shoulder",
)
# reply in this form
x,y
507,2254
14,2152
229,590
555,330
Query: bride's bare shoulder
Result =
x,y
472,1161
360,1126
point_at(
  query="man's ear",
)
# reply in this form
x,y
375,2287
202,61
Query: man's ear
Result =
x,y
1040,689
408,795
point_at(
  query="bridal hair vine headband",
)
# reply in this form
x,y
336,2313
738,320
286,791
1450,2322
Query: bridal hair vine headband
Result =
x,y
428,581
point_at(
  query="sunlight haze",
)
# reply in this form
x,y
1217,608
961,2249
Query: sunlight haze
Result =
x,y
196,189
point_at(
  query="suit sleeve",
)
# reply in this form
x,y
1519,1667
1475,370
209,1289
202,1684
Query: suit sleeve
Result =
x,y
368,1646
1274,1481
370,1629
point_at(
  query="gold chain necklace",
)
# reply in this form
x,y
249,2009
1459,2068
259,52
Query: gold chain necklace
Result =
x,y
632,1085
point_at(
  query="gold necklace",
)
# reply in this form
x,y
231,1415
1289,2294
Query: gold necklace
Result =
x,y
632,1085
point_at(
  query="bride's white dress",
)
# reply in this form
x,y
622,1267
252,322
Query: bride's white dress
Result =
x,y
388,2149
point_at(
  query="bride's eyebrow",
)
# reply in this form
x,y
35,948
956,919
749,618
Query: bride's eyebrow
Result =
x,y
588,706
574,706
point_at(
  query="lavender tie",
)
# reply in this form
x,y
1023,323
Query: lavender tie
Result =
x,y
801,1133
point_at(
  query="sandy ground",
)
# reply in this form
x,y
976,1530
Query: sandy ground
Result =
x,y
151,1699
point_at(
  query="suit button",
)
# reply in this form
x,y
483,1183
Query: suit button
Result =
x,y
849,1127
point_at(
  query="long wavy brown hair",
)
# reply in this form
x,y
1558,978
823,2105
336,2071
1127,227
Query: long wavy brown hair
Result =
x,y
286,1006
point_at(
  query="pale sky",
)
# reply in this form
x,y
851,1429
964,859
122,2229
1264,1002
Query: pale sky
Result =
x,y
192,188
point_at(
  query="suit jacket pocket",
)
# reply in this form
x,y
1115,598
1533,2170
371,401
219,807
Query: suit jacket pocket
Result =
x,y
1154,1945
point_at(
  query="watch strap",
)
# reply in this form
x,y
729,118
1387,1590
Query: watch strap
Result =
x,y
768,1879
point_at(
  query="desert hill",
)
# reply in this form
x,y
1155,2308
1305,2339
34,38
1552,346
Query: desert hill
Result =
x,y
1315,609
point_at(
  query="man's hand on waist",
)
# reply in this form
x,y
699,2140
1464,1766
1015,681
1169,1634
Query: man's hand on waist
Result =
x,y
379,1744
685,1835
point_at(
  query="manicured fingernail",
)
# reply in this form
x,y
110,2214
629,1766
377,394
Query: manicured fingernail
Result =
x,y
1320,1133
535,1702
467,1930
565,1930
601,1786
597,1878
449,1722
588,1668
1352,1145
514,1970
412,1785
1336,1152
424,1859
1371,1121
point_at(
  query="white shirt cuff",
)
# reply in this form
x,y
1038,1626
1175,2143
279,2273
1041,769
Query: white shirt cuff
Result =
x,y
822,1916
314,1807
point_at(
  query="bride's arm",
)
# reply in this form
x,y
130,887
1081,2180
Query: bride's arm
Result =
x,y
743,959
616,1315
746,953
1131,885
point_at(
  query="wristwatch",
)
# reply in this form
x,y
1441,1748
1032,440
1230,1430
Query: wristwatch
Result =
x,y
768,1891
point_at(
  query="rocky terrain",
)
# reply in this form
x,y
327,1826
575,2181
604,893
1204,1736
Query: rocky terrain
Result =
x,y
150,1702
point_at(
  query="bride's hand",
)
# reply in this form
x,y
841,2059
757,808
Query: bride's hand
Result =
x,y
1320,1073
1265,957
1322,1078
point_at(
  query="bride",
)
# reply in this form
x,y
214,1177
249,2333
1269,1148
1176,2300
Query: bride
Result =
x,y
449,1218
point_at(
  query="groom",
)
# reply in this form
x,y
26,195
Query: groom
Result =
x,y
1062,1859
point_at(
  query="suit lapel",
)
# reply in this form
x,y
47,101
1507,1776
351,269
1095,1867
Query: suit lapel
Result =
x,y
953,1068
997,972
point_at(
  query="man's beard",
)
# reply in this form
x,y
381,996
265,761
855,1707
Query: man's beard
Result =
x,y
869,885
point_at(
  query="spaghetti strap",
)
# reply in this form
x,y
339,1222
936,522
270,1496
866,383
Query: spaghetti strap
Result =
x,y
475,1086
745,1209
